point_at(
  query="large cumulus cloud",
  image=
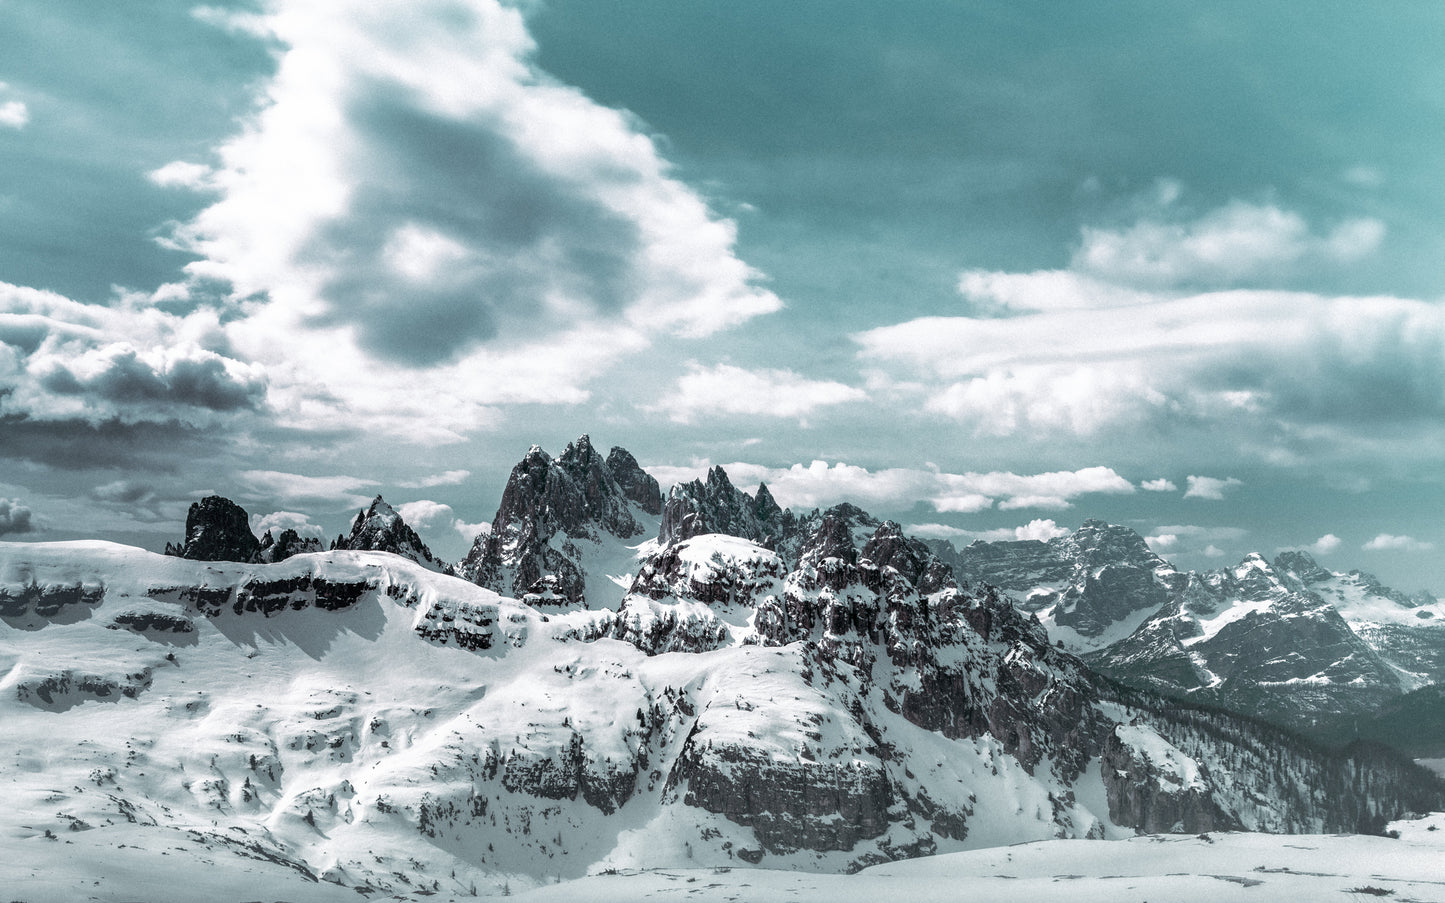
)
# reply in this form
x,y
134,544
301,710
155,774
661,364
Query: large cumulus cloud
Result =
x,y
414,191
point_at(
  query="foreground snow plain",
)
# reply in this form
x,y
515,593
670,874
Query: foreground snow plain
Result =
x,y
128,863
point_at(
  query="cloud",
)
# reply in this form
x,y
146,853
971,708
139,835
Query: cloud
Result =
x,y
1187,539
414,191
127,361
15,518
1159,485
277,521
1236,243
725,389
425,513
1211,488
1388,542
1039,529
819,484
298,487
427,516
1325,544
125,492
448,478
991,291
180,174
14,114
1098,348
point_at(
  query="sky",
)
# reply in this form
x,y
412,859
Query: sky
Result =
x,y
988,269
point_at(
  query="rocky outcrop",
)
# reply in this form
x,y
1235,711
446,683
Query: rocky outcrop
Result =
x,y
636,484
379,528
554,515
217,529
274,549
714,505
1155,788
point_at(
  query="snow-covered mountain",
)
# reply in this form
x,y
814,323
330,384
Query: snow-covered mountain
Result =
x,y
569,529
362,719
1286,640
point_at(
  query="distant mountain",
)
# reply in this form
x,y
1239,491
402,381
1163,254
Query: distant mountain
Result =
x,y
379,528
1088,588
1288,640
1250,639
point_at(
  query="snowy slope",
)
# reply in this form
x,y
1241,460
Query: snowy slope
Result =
x,y
355,718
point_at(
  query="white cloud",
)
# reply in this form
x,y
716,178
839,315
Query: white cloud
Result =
x,y
819,484
424,514
1211,488
1235,243
1362,176
1325,544
180,174
298,487
1194,539
1127,338
1388,542
1162,542
725,389
1159,485
448,478
470,532
14,114
414,189
277,521
1044,290
1039,529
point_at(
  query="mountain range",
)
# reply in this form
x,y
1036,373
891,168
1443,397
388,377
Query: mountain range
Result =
x,y
613,679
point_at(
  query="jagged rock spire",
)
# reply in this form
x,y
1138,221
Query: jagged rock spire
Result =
x,y
217,529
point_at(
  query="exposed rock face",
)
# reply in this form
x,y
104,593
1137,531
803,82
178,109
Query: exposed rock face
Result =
x,y
1159,793
714,505
636,484
557,513
217,529
274,549
1086,581
379,528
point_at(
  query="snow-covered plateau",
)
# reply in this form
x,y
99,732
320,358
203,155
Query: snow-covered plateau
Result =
x,y
353,722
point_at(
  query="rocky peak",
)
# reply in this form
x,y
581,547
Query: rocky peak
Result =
x,y
1301,566
911,558
637,484
555,510
217,529
379,528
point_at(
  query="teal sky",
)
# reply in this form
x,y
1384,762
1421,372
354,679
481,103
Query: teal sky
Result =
x,y
999,266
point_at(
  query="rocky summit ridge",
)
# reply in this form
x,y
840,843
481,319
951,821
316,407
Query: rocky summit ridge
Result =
x,y
380,528
565,525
